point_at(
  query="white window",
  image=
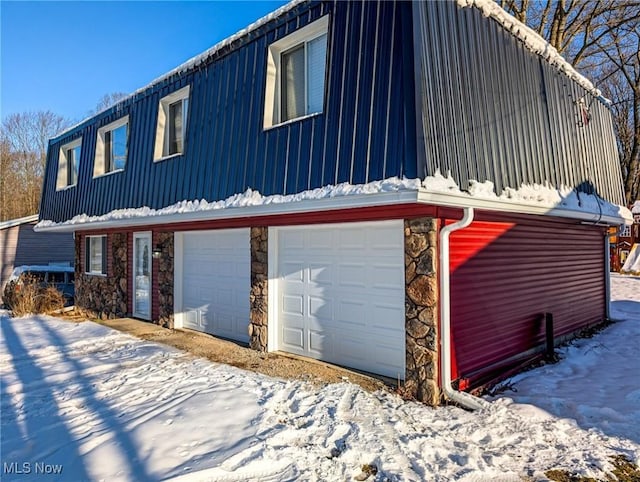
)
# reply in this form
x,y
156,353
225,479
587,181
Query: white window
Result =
x,y
296,70
625,232
171,128
68,164
111,147
96,255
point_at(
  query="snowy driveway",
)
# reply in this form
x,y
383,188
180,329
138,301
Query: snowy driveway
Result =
x,y
99,404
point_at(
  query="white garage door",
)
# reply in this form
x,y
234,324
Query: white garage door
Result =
x,y
341,294
216,282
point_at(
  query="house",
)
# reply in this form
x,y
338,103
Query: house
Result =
x,y
626,244
20,245
408,189
622,239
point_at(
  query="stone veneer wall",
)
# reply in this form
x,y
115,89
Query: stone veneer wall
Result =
x,y
164,274
259,289
103,296
421,309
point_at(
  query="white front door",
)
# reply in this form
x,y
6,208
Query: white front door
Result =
x,y
340,294
142,275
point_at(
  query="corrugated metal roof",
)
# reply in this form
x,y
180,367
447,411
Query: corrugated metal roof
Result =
x,y
18,221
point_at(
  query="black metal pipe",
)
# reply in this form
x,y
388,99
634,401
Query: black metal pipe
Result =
x,y
548,327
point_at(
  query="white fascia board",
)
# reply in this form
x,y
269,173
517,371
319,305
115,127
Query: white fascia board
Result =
x,y
274,209
453,200
18,221
463,200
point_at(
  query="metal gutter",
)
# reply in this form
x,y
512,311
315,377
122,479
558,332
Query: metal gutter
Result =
x,y
272,209
462,200
454,200
18,221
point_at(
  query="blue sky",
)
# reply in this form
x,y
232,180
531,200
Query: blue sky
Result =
x,y
64,56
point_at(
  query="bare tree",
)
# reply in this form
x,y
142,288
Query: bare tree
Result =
x,y
107,100
24,138
601,38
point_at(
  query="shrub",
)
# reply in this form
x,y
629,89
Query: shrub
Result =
x,y
28,295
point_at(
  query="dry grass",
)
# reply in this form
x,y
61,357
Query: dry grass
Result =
x,y
624,471
28,296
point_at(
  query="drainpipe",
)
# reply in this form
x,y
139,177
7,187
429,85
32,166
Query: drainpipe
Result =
x,y
607,277
465,399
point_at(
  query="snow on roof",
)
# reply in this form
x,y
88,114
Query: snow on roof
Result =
x,y
635,209
532,195
531,39
18,221
200,58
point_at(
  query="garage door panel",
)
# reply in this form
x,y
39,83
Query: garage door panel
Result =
x,y
293,339
352,275
382,316
292,239
317,342
319,306
342,280
293,271
351,313
351,238
320,274
293,304
216,282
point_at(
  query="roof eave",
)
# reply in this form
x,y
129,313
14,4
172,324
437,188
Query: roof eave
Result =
x,y
462,200
453,200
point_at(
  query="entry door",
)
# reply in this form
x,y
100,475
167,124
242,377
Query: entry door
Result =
x,y
142,275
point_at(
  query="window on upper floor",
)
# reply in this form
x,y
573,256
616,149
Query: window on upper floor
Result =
x,y
111,147
625,232
296,71
95,255
171,129
68,164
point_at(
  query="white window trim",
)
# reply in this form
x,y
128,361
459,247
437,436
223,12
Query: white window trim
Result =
x,y
87,269
272,117
162,139
98,162
142,235
625,232
63,165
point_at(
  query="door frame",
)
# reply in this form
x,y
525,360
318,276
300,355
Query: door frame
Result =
x,y
142,235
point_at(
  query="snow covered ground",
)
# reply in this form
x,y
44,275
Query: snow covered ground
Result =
x,y
101,405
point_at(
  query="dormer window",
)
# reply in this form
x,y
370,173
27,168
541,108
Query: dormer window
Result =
x,y
296,70
111,147
171,129
68,164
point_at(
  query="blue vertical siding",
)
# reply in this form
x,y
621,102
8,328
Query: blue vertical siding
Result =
x,y
359,136
489,109
410,88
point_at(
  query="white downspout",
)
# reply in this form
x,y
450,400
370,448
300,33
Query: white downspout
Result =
x,y
465,399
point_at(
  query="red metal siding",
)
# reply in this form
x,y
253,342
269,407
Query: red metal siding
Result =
x,y
372,213
506,275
